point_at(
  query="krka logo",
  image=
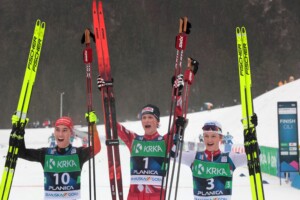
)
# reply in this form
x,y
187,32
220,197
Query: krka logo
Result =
x,y
155,148
148,148
51,163
209,170
62,163
199,168
139,147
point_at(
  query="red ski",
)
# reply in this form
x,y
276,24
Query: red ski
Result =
x,y
108,103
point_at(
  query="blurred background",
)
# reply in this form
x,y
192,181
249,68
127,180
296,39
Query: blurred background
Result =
x,y
141,38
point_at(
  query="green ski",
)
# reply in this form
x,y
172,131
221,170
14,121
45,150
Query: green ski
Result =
x,y
250,139
19,119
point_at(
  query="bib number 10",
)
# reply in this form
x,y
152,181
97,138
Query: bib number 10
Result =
x,y
64,178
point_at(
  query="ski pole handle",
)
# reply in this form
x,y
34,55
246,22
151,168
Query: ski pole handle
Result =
x,y
87,36
180,42
185,22
180,25
87,52
87,55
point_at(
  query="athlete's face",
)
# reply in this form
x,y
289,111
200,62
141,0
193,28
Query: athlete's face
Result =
x,y
62,136
212,140
150,124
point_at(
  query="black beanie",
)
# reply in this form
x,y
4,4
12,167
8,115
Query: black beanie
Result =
x,y
151,109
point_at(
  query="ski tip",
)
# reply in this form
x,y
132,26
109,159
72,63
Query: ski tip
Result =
x,y
38,22
43,25
243,30
100,6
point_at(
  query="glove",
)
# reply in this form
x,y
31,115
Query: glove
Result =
x,y
14,119
102,83
178,83
253,119
175,139
91,117
193,65
180,122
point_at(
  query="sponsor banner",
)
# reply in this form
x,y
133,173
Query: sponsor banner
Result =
x,y
208,170
222,197
269,160
75,194
147,180
148,148
58,164
288,136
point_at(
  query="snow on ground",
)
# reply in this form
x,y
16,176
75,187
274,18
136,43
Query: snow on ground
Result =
x,y
28,179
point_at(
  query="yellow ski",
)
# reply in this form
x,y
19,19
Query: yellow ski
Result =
x,y
19,122
250,139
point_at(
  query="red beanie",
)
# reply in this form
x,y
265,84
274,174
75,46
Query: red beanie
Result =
x,y
67,121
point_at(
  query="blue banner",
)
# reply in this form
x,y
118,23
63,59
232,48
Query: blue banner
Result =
x,y
288,136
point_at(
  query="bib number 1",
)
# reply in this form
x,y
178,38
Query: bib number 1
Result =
x,y
146,162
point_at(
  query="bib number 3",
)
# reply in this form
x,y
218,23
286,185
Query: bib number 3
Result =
x,y
210,184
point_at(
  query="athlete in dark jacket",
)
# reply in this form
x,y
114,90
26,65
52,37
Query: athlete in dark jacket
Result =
x,y
62,164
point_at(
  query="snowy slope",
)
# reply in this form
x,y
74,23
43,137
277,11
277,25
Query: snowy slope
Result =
x,y
28,180
265,106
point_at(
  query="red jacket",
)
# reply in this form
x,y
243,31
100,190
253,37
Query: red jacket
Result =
x,y
141,192
147,192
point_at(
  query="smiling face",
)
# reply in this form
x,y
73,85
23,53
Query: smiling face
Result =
x,y
62,136
212,140
150,124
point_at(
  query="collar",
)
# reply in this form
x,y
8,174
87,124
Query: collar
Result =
x,y
210,155
151,137
63,150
